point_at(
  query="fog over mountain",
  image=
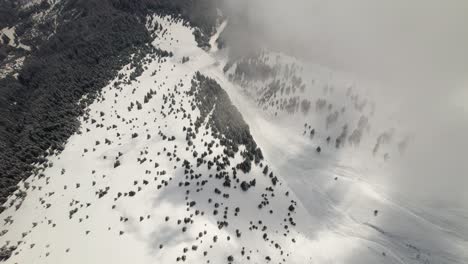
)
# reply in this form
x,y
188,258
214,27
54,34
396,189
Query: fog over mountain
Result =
x,y
233,131
411,53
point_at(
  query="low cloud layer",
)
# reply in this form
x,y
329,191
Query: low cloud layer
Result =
x,y
383,40
416,49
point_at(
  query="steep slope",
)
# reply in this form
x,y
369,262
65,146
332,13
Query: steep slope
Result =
x,y
185,156
74,48
323,134
156,172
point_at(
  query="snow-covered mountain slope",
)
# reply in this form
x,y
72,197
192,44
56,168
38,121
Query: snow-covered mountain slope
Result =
x,y
337,154
152,178
179,161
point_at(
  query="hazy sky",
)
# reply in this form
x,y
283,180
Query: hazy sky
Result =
x,y
392,40
417,48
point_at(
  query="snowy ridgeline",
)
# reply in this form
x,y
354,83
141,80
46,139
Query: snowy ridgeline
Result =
x,y
166,170
146,180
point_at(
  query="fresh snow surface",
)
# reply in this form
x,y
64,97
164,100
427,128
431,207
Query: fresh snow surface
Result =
x,y
341,190
63,219
11,34
11,66
214,38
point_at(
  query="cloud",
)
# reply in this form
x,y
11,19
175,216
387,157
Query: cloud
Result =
x,y
392,40
416,49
